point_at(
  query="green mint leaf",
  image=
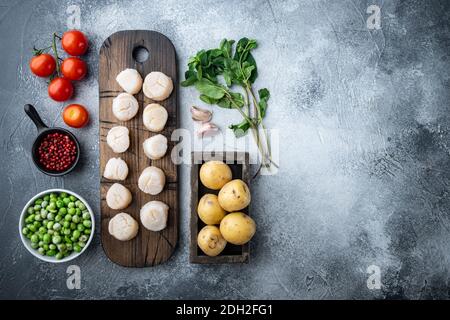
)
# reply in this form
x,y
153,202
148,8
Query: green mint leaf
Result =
x,y
264,96
240,129
209,89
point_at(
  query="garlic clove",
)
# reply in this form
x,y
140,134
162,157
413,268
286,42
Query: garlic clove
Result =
x,y
199,114
208,129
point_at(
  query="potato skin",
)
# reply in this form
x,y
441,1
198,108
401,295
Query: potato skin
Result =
x,y
215,174
209,209
234,196
211,241
237,228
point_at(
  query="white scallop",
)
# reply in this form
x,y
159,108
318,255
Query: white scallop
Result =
x,y
118,197
155,117
118,139
130,80
152,180
116,169
123,227
125,106
155,147
154,215
157,86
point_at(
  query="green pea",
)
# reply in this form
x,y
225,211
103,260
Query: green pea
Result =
x,y
34,238
46,197
71,211
44,204
34,245
47,238
25,230
58,218
66,200
44,214
59,203
46,247
38,202
63,194
76,219
38,217
83,238
73,226
51,216
53,195
40,236
66,224
41,243
82,244
80,227
37,224
56,226
51,232
78,211
52,246
32,228
42,230
72,198
67,240
59,255
67,232
52,205
61,247
50,224
81,206
37,207
87,223
69,247
77,248
51,252
56,239
41,251
30,218
63,211
71,205
76,234
86,215
68,217
87,231
30,210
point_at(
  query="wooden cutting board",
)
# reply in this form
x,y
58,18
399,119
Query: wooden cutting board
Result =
x,y
116,54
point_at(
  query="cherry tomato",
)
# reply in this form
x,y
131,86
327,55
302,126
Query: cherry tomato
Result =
x,y
60,89
74,68
43,65
74,42
75,115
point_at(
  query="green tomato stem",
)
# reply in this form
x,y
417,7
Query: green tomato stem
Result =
x,y
55,50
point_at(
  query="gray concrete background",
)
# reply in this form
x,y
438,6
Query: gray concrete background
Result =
x,y
363,121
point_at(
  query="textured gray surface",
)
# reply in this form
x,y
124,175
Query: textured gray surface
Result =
x,y
363,118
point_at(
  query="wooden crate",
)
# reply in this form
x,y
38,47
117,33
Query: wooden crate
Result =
x,y
239,164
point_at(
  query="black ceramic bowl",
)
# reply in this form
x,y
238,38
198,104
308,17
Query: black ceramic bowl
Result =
x,y
43,131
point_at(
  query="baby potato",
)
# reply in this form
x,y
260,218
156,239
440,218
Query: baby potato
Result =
x,y
234,196
209,209
237,228
211,241
215,174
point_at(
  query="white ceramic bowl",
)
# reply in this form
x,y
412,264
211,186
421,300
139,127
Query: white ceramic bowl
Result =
x,y
27,243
